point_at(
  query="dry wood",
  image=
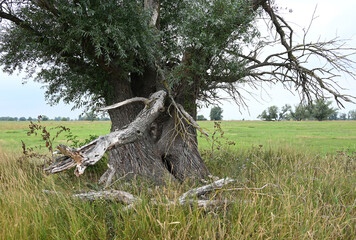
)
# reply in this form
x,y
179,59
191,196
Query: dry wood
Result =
x,y
128,101
109,195
92,152
205,189
188,198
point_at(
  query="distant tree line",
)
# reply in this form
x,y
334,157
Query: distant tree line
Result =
x,y
319,109
88,116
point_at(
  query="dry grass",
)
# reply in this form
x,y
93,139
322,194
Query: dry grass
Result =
x,y
307,197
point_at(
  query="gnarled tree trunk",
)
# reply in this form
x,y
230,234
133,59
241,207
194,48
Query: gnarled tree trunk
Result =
x,y
165,149
162,153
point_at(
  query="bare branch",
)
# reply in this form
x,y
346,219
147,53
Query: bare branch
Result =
x,y
128,101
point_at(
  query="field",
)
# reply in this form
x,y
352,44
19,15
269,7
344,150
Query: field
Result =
x,y
326,137
296,180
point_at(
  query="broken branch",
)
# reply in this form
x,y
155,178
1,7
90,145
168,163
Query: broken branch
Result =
x,y
92,152
128,101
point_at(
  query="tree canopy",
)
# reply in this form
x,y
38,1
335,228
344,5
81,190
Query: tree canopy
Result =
x,y
319,109
73,47
216,113
270,114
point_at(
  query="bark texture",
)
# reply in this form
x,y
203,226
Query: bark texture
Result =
x,y
159,144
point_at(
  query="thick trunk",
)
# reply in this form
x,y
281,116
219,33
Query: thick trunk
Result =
x,y
164,152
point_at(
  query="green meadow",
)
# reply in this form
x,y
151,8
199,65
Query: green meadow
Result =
x,y
325,137
295,180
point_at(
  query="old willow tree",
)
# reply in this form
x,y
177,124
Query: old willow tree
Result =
x,y
154,60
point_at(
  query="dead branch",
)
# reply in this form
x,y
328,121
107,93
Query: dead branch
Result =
x,y
128,101
288,68
188,198
205,189
110,195
92,152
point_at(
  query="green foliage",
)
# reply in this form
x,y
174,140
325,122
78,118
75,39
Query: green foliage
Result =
x,y
211,35
8,118
271,114
321,110
79,45
300,112
74,43
284,114
218,138
216,113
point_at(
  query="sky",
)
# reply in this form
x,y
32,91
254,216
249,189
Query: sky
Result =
x,y
332,19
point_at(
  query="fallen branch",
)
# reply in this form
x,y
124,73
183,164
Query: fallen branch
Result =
x,y
188,198
110,195
205,189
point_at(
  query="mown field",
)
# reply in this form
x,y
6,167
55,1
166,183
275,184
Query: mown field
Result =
x,y
295,180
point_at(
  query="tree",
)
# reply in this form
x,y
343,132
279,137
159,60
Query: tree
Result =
x,y
334,116
271,114
351,115
300,112
44,118
321,110
90,116
285,112
201,118
216,113
343,116
22,119
98,53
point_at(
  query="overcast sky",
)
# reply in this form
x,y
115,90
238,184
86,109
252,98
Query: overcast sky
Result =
x,y
333,18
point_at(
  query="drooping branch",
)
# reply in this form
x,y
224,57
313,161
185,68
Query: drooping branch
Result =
x,y
92,152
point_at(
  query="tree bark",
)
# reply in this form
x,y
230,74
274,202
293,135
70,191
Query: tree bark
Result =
x,y
164,152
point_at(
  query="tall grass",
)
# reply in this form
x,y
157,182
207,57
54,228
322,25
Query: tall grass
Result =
x,y
307,197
